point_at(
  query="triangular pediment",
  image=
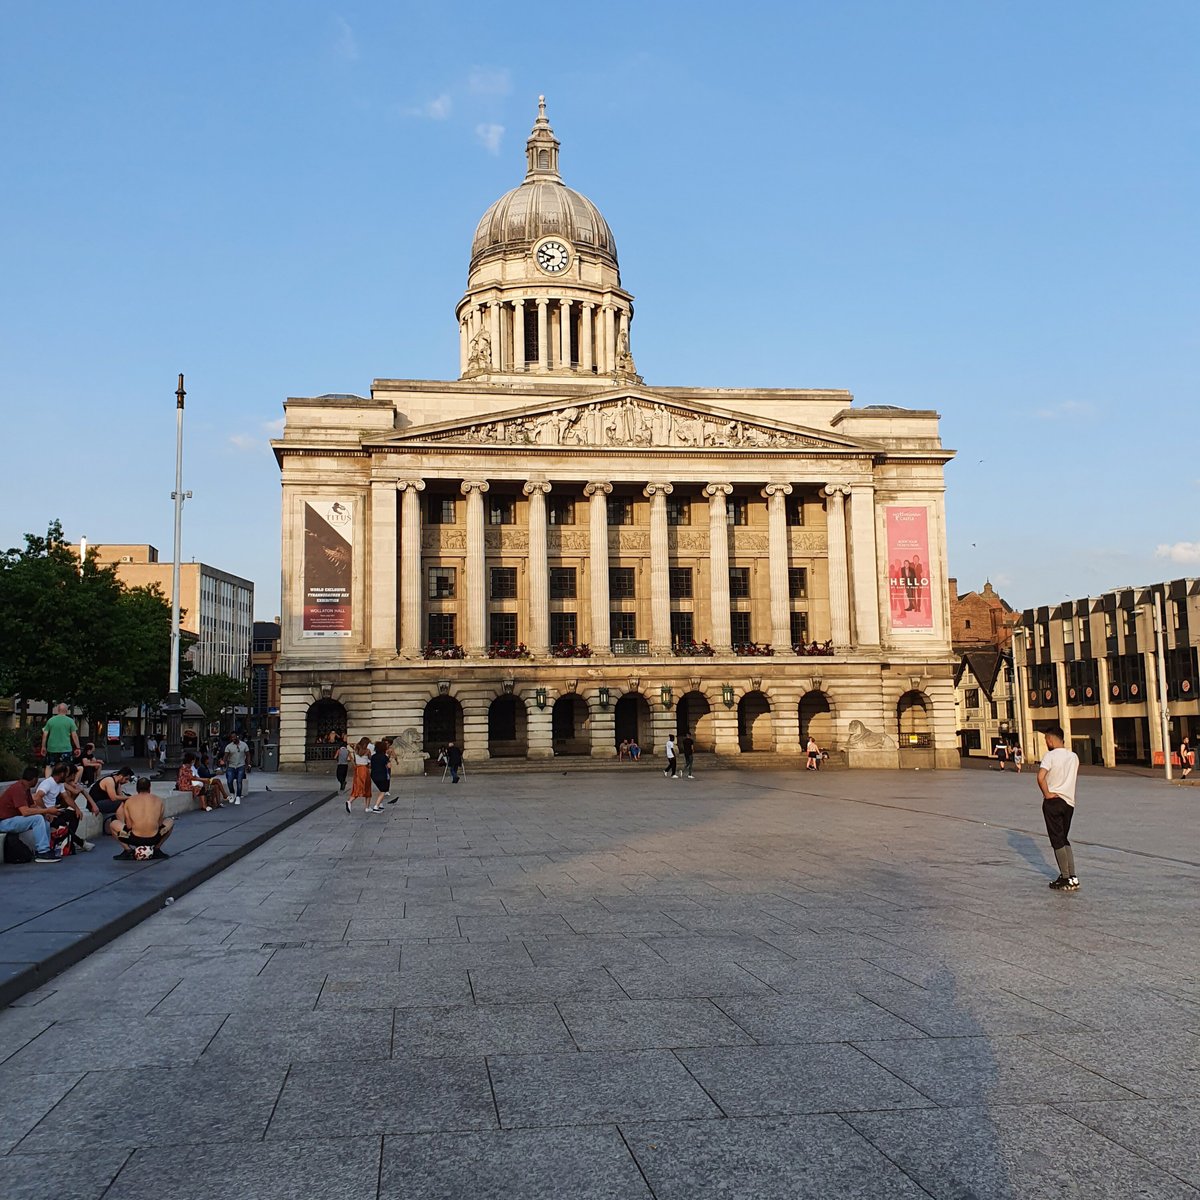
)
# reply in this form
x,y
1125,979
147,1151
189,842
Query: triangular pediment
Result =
x,y
628,419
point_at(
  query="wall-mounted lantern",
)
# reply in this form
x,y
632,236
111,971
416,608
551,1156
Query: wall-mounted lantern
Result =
x,y
603,694
539,697
727,694
667,692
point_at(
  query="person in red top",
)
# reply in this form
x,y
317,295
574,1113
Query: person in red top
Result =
x,y
19,812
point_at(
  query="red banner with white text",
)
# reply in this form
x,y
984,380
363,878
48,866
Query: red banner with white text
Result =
x,y
909,591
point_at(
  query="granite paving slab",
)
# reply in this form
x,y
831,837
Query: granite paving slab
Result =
x,y
26,1097
1163,1131
78,1176
820,1016
646,1024
1163,1063
293,1036
520,985
480,1029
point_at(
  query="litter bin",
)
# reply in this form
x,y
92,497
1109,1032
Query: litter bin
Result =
x,y
270,757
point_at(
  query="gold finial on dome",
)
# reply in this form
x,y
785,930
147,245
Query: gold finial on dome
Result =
x,y
541,150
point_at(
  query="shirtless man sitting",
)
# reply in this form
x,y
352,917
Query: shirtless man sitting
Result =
x,y
140,826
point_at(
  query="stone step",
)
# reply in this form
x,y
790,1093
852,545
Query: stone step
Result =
x,y
579,763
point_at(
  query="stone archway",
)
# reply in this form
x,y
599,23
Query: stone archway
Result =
x,y
570,725
323,723
914,730
816,718
508,735
632,719
756,730
442,723
693,715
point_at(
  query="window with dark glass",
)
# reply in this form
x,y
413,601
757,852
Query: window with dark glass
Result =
x,y
562,583
971,696
799,628
737,510
679,512
503,629
441,629
680,581
561,511
795,511
504,583
620,510
739,582
562,628
739,628
621,583
797,582
441,583
502,510
622,626
439,510
683,629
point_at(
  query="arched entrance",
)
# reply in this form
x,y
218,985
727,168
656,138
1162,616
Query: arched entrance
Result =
x,y
443,723
324,723
693,715
914,730
570,723
756,731
631,719
507,736
816,720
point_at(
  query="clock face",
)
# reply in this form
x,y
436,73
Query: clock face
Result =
x,y
552,257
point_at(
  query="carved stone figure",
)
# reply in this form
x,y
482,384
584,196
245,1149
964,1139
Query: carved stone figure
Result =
x,y
480,356
861,737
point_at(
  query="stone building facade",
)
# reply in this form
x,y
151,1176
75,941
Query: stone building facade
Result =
x,y
547,556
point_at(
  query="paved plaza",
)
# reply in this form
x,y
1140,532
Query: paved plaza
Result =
x,y
605,985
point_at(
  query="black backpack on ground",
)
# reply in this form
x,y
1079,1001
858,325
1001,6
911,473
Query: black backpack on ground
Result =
x,y
16,850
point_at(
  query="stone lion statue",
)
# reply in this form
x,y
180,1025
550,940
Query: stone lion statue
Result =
x,y
862,737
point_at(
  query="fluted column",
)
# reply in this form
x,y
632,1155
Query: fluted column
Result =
x,y
543,336
585,336
464,346
411,576
608,358
718,555
476,588
660,583
539,574
839,586
597,493
777,549
383,568
493,314
564,331
866,569
518,335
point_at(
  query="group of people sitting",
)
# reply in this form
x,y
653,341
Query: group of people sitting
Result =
x,y
198,776
628,750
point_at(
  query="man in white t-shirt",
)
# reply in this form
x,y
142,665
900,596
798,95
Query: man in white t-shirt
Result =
x,y
1056,777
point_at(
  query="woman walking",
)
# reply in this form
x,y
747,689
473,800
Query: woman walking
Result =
x,y
342,761
361,787
381,773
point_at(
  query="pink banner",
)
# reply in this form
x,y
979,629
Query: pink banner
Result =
x,y
328,568
909,593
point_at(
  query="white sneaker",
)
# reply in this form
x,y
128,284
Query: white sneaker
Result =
x,y
86,845
237,800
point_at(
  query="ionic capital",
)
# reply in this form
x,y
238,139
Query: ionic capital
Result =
x,y
776,489
415,485
654,489
718,489
837,489
535,485
598,487
473,485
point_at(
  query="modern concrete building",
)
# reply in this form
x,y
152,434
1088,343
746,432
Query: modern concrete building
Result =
x,y
216,607
546,554
1092,666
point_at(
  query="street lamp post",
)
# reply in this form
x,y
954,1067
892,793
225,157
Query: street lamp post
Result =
x,y
173,708
1164,712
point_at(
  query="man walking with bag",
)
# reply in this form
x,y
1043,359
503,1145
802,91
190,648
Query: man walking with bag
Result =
x,y
1056,777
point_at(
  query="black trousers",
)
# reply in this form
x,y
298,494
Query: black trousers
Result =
x,y
342,768
1058,813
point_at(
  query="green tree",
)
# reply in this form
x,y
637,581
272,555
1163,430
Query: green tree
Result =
x,y
215,693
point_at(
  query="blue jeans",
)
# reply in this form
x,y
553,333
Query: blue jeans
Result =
x,y
234,776
39,825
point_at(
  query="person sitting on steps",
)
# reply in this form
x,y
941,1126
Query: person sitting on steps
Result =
x,y
140,826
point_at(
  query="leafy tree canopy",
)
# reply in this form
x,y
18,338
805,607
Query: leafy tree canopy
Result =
x,y
216,692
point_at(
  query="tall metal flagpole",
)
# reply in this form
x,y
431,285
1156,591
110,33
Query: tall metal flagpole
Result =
x,y
174,705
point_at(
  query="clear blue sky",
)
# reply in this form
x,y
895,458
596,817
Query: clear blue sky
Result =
x,y
989,209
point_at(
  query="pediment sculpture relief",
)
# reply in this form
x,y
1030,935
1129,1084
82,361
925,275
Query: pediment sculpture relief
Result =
x,y
628,422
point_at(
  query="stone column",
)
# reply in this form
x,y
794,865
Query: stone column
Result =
x,y
475,641
539,575
718,562
866,568
585,336
493,314
776,495
660,580
1153,712
1064,713
839,588
608,355
464,346
564,330
411,575
518,335
383,568
1108,743
543,336
597,493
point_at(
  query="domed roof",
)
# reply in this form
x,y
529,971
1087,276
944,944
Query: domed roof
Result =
x,y
542,205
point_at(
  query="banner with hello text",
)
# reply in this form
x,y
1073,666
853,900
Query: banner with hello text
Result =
x,y
328,568
910,602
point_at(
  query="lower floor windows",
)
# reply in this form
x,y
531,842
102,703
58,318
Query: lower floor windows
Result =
x,y
441,629
563,629
739,628
799,628
503,629
683,629
622,626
